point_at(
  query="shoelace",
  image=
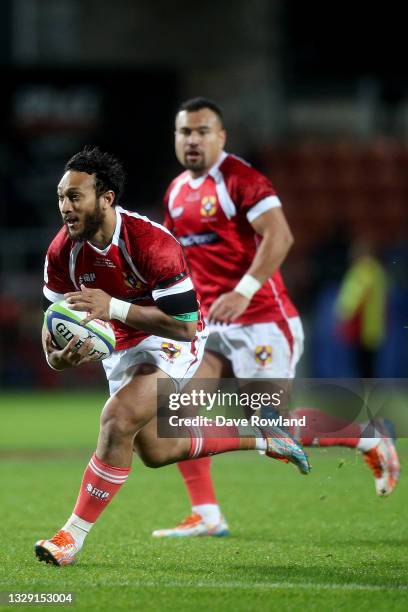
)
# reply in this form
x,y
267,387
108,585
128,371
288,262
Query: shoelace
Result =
x,y
190,520
372,459
62,538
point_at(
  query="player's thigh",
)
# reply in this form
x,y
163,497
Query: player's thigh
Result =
x,y
135,403
214,365
155,450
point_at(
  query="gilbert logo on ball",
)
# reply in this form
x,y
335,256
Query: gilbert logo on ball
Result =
x,y
63,323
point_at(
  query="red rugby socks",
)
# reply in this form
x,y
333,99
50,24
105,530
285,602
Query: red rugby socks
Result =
x,y
100,483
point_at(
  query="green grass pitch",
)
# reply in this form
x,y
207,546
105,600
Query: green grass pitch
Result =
x,y
322,542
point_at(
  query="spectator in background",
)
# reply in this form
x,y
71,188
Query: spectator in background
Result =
x,y
361,306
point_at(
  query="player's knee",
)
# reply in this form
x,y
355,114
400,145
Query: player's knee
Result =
x,y
153,458
152,462
158,456
118,419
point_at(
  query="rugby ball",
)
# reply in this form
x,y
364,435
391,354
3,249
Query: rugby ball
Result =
x,y
63,323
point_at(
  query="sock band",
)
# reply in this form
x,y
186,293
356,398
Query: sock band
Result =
x,y
108,472
99,485
203,441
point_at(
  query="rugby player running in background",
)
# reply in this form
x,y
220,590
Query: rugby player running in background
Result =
x,y
138,279
230,222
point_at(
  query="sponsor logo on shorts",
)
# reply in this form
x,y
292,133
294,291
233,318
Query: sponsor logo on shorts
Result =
x,y
102,495
263,354
208,206
171,350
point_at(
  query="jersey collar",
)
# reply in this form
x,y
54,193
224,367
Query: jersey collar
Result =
x,y
214,171
116,233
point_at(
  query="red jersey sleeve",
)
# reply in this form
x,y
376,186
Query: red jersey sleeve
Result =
x,y
157,254
159,258
57,279
251,191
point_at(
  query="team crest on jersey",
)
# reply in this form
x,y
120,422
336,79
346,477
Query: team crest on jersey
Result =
x,y
88,277
131,281
208,206
171,350
263,354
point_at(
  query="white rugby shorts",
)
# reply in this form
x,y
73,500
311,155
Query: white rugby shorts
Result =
x,y
261,350
179,360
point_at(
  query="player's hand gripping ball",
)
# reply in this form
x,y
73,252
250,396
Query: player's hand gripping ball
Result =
x,y
63,323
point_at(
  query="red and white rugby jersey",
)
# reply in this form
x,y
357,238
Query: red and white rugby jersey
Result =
x,y
143,263
211,217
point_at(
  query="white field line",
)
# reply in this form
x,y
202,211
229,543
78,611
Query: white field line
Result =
x,y
267,585
351,586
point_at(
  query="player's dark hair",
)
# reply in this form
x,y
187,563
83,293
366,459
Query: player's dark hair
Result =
x,y
109,172
195,104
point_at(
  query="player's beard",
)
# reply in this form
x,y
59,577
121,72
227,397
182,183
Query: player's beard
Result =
x,y
196,165
92,222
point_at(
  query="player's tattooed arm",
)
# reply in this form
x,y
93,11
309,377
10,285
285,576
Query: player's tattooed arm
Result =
x,y
274,246
154,321
276,242
151,319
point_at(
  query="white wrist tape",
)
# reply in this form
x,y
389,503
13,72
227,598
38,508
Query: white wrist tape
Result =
x,y
248,286
118,309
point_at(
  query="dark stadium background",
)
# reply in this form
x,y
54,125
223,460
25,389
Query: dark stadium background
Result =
x,y
314,94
